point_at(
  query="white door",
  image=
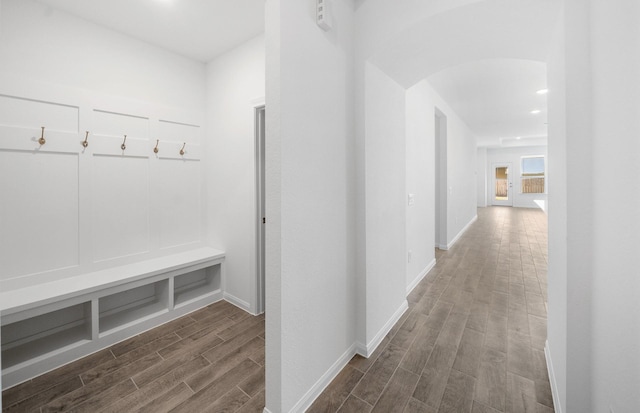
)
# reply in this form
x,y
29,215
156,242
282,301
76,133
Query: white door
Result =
x,y
502,184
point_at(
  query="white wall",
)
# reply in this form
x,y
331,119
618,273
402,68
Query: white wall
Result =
x,y
461,162
381,20
104,206
310,203
593,289
461,174
579,272
84,209
420,167
482,177
385,197
556,348
234,81
514,156
616,227
395,117
40,43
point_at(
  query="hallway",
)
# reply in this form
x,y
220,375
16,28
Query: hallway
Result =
x,y
473,337
472,341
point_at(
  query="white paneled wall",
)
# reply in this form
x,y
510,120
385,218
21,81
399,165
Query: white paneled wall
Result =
x,y
66,209
39,187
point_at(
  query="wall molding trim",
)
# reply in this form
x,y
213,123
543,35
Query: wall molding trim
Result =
x,y
421,276
238,302
552,379
462,231
305,402
367,351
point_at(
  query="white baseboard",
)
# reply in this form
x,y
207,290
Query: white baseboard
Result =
x,y
367,351
238,302
305,402
462,231
421,276
552,379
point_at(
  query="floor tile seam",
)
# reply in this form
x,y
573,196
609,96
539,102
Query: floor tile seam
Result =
x,y
166,373
93,395
355,386
436,340
152,399
435,343
163,358
389,383
189,387
239,388
126,364
134,383
475,382
157,351
354,396
373,361
413,340
437,408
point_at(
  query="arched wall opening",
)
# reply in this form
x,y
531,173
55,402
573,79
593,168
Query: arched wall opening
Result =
x,y
389,54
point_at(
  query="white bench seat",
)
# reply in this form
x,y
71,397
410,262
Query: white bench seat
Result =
x,y
51,324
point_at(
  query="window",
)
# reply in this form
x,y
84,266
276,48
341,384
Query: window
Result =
x,y
532,176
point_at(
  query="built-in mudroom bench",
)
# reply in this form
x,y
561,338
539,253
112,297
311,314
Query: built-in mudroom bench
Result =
x,y
103,230
50,324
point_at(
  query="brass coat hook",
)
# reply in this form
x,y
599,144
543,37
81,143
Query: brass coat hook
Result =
x,y
85,142
182,150
124,146
42,140
155,150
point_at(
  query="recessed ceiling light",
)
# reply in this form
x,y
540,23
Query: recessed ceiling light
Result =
x,y
542,91
535,112
518,137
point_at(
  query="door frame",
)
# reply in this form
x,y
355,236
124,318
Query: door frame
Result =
x,y
441,179
260,215
509,201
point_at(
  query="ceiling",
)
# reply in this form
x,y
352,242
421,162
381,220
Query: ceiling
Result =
x,y
485,59
197,29
495,98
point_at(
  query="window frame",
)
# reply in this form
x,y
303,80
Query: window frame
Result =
x,y
523,177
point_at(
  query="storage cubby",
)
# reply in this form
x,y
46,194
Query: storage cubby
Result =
x,y
47,326
26,341
196,285
128,307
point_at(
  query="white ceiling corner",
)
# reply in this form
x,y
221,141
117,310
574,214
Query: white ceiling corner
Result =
x,y
197,29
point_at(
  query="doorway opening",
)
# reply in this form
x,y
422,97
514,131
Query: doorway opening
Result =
x,y
502,184
260,207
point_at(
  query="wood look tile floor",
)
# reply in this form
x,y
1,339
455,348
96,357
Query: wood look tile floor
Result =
x,y
471,341
473,338
209,360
